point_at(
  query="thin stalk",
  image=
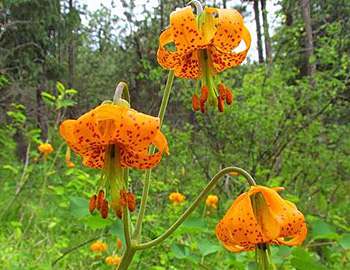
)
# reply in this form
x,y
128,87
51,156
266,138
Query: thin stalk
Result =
x,y
146,184
193,206
126,227
127,258
43,189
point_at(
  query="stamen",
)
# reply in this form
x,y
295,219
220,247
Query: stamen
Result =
x,y
204,96
222,91
202,107
119,213
195,102
123,198
92,203
131,202
104,209
221,104
100,198
229,97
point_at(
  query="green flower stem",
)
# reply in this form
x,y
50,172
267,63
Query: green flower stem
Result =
x,y
126,227
122,90
198,5
145,191
189,211
46,172
127,258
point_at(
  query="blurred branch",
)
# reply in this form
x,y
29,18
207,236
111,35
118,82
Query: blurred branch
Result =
x,y
21,187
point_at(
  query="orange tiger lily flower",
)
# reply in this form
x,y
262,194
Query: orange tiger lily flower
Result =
x,y
176,198
204,46
112,137
91,134
46,149
261,216
212,201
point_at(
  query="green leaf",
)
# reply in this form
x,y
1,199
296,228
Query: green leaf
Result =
x,y
117,230
79,207
302,260
97,222
322,230
302,264
47,101
47,95
291,197
71,91
180,251
206,247
192,224
194,258
344,241
65,103
60,87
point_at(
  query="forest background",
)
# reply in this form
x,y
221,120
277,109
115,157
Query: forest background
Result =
x,y
289,126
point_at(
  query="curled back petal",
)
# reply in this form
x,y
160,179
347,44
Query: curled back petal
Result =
x,y
229,29
223,60
296,240
168,59
185,32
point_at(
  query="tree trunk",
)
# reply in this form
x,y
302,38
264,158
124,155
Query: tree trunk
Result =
x,y
266,32
224,5
71,62
311,63
258,31
161,15
41,116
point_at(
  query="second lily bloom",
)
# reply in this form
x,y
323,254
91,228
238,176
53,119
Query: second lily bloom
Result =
x,y
204,45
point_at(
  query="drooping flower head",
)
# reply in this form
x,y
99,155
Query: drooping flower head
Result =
x,y
98,246
261,216
112,137
45,148
212,201
176,198
113,260
204,46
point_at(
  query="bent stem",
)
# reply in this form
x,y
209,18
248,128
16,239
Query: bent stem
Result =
x,y
145,191
189,211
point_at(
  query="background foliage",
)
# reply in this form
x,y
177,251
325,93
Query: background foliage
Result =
x,y
281,128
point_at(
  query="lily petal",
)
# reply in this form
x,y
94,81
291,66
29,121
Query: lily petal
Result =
x,y
168,59
229,29
185,32
223,60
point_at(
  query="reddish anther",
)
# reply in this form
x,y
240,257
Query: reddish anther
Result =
x,y
221,104
119,213
202,107
222,91
195,102
229,97
104,209
92,203
131,202
204,96
123,198
100,198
